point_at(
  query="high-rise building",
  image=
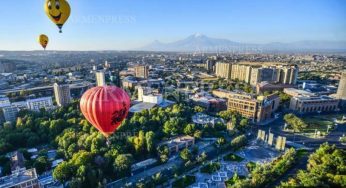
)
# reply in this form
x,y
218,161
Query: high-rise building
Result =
x,y
209,65
223,70
142,71
241,72
62,94
341,94
288,74
100,78
263,74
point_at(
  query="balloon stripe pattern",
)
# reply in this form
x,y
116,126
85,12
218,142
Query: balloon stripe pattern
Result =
x,y
105,107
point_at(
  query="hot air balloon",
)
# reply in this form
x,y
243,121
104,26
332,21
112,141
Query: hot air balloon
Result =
x,y
58,11
105,107
43,40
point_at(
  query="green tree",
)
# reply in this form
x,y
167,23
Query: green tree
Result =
x,y
226,115
199,109
220,141
296,123
185,154
63,172
123,164
172,126
149,138
41,164
190,129
243,124
163,153
239,142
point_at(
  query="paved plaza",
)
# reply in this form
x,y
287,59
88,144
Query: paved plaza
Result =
x,y
255,153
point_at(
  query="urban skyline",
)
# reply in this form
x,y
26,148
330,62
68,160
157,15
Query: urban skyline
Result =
x,y
173,94
114,25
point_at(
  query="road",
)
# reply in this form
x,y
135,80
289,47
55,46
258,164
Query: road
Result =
x,y
277,126
332,138
174,161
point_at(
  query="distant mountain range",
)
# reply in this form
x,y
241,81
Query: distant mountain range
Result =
x,y
202,43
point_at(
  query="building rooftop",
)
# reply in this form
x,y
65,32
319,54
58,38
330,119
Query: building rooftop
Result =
x,y
311,98
200,118
293,91
177,141
18,177
142,106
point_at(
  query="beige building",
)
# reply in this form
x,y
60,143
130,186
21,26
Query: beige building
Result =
x,y
312,104
254,72
100,78
243,103
62,94
142,71
241,72
258,109
223,70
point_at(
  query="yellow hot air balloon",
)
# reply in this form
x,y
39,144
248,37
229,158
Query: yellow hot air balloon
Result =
x,y
58,11
43,40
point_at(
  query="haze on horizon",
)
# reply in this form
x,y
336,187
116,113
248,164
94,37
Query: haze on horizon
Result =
x,y
123,25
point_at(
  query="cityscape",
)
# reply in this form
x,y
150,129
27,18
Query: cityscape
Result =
x,y
195,111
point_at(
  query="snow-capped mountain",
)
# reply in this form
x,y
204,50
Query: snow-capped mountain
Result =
x,y
202,43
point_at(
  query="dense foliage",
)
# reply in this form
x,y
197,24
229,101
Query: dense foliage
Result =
x,y
295,122
88,160
326,168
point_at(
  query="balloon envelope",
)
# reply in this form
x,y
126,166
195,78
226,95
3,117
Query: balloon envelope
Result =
x,y
43,40
105,107
58,11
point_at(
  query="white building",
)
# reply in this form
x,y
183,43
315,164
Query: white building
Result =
x,y
153,98
39,103
145,94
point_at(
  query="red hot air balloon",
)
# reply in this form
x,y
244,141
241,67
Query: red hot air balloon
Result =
x,y
105,107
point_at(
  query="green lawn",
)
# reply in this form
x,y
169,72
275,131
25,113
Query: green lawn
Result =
x,y
320,122
211,168
233,157
184,182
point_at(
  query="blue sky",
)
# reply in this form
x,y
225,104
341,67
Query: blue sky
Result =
x,y
128,24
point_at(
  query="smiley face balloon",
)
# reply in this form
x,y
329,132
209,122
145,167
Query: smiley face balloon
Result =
x,y
58,11
43,40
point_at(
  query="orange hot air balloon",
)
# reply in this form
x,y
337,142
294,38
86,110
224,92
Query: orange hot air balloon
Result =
x,y
105,107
